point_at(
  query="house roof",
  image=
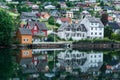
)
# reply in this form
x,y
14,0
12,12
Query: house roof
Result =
x,y
95,20
73,26
108,8
65,19
114,25
41,25
27,15
25,31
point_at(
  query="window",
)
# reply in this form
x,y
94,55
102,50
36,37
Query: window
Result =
x,y
95,23
91,33
95,33
99,55
95,56
91,23
100,28
77,34
100,33
35,28
91,28
83,35
91,56
26,53
95,28
25,39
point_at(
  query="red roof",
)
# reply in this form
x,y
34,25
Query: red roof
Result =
x,y
65,19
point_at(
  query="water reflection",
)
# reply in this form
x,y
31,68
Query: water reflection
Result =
x,y
68,64
86,61
7,65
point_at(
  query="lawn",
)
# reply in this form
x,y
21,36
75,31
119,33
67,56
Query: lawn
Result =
x,y
50,26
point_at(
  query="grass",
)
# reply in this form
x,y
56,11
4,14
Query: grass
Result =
x,y
50,27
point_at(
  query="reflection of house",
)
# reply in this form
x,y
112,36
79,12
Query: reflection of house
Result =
x,y
24,36
32,63
25,60
86,61
71,59
93,63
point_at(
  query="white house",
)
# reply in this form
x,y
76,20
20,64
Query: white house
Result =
x,y
75,9
69,14
89,27
90,1
49,7
72,0
95,28
8,0
97,8
74,31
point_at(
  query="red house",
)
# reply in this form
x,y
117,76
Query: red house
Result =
x,y
37,27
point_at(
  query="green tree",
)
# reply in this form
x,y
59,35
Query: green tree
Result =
x,y
108,32
23,9
51,20
6,25
115,36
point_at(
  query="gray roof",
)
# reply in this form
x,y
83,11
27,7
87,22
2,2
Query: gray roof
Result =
x,y
73,26
25,31
95,20
41,25
27,15
114,25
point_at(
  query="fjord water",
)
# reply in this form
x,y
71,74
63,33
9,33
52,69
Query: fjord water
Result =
x,y
55,64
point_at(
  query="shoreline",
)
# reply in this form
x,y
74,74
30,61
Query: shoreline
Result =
x,y
68,45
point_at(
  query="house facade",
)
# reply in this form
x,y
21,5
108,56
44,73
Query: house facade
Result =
x,y
69,14
88,28
74,31
95,28
24,36
38,30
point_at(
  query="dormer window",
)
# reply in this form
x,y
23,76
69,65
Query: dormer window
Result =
x,y
35,28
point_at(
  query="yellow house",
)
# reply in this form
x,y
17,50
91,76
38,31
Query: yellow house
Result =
x,y
24,36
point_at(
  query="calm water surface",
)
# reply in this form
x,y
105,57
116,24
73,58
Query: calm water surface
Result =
x,y
59,64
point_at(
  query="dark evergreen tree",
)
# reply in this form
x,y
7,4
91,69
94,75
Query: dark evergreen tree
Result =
x,y
104,18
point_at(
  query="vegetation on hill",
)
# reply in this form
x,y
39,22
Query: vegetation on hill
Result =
x,y
6,26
